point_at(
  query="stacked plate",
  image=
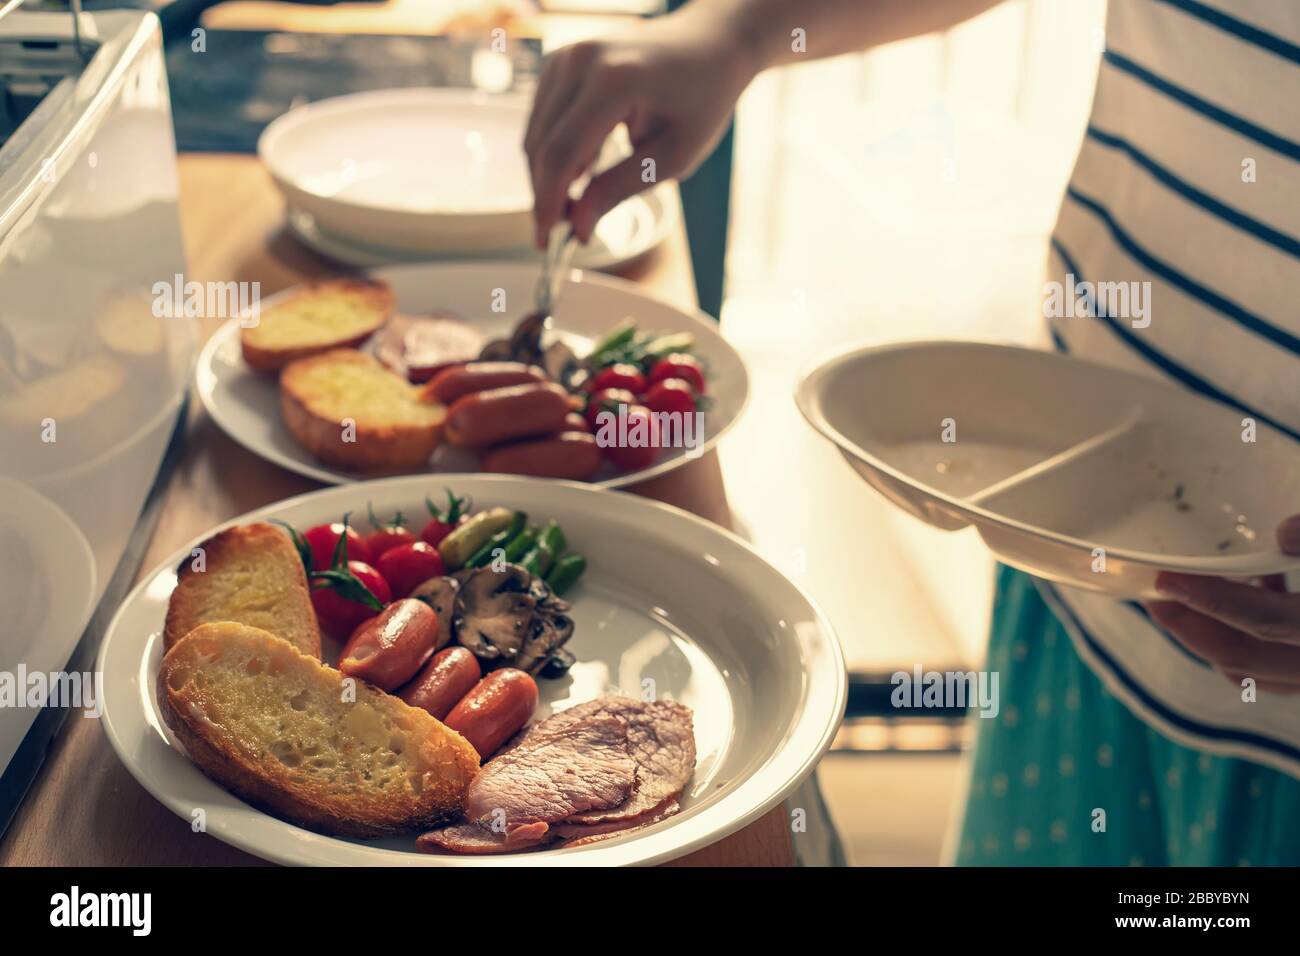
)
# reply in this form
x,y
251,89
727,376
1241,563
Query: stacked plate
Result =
x,y
398,176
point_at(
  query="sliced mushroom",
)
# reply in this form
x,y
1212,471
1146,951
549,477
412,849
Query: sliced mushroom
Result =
x,y
509,617
526,339
498,350
552,627
494,613
560,362
550,630
440,595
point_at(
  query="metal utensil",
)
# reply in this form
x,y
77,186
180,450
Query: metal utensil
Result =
x,y
560,247
525,341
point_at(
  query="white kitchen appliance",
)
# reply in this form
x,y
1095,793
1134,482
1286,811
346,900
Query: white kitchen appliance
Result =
x,y
93,380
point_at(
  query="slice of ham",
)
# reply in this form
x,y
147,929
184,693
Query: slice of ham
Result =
x,y
583,766
661,739
594,771
473,838
420,346
580,834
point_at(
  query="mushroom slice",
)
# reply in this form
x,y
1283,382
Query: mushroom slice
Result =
x,y
526,338
440,595
494,613
552,627
550,631
559,362
498,350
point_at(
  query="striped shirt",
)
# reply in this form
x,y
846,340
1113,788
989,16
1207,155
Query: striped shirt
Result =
x,y
1189,179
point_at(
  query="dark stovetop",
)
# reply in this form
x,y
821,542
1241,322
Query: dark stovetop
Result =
x,y
223,96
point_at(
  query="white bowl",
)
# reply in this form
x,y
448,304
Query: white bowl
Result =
x,y
411,170
667,597
1073,471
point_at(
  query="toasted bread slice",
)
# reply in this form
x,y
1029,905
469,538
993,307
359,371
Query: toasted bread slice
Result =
x,y
252,575
297,738
347,409
337,313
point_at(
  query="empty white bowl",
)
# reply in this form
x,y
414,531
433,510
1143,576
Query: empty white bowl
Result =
x,y
414,170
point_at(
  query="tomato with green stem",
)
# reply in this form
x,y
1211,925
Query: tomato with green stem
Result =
x,y
347,595
387,534
443,523
323,541
345,592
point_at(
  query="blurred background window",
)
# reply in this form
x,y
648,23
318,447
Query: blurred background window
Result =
x,y
905,193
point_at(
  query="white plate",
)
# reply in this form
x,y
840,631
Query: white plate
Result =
x,y
48,588
626,233
1059,462
247,407
427,170
714,626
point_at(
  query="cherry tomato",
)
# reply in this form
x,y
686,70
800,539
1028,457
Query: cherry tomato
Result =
x,y
339,605
324,538
387,535
407,566
625,455
607,400
679,365
619,376
443,523
670,395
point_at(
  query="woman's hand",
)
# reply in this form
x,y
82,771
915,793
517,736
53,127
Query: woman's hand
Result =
x,y
673,80
1243,630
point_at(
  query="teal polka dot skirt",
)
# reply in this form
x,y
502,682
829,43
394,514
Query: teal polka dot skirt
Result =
x,y
1066,775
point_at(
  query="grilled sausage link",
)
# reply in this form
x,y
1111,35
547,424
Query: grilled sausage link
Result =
x,y
390,647
461,380
450,675
495,710
570,454
502,414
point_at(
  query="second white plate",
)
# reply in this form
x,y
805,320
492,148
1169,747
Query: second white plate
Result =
x,y
246,405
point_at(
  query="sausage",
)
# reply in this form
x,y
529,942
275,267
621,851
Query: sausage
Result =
x,y
495,710
449,676
389,648
570,454
501,414
461,380
574,422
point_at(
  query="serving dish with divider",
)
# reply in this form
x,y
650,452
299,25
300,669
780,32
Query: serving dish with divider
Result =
x,y
1073,471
